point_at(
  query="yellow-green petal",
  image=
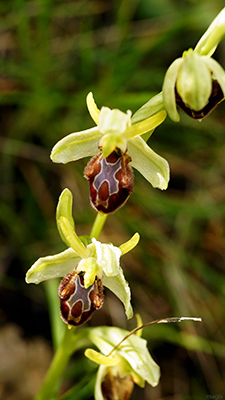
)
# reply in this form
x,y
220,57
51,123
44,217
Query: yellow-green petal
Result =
x,y
64,208
130,244
214,34
152,166
100,358
152,107
72,238
92,108
145,126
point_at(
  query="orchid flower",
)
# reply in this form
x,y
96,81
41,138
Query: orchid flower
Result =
x,y
115,132
94,260
129,363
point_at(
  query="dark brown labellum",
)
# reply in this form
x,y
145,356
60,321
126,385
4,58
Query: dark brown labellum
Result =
x,y
110,180
215,98
115,387
77,304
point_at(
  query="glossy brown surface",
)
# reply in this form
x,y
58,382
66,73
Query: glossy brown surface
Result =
x,y
110,180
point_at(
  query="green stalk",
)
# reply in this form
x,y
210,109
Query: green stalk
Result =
x,y
57,325
52,380
98,225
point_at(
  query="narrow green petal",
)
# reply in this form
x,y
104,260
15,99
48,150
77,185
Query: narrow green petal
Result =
x,y
145,126
99,358
72,238
92,108
76,145
64,209
152,107
130,244
217,71
214,34
169,89
152,166
139,323
55,266
119,286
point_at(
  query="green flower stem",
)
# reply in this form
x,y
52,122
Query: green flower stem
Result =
x,y
70,343
98,225
52,380
57,325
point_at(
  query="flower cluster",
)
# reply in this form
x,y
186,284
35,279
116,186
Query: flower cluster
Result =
x,y
196,83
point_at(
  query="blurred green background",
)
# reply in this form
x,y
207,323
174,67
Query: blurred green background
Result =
x,y
53,52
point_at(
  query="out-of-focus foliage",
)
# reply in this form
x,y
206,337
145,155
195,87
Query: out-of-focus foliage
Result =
x,y
53,52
